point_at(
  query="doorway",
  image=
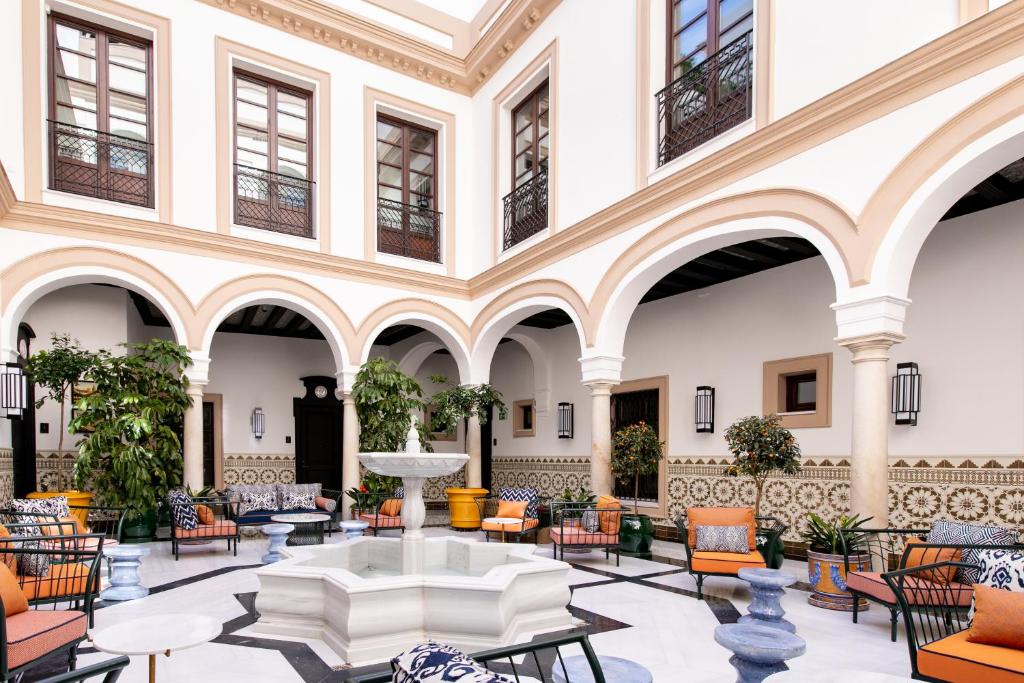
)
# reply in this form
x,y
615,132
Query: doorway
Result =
x,y
318,433
213,441
632,402
23,428
486,449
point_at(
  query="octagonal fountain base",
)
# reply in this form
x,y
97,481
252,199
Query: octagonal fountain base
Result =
x,y
355,598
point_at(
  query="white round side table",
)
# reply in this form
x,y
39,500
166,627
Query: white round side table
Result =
x,y
155,635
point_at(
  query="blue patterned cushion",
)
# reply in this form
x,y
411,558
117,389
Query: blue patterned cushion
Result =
x,y
1002,569
57,506
282,490
590,522
258,500
32,564
399,492
528,494
183,510
297,500
723,539
435,663
958,533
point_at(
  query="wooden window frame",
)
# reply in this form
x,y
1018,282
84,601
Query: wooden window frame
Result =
x,y
714,33
532,100
428,418
406,169
518,430
793,382
273,86
774,387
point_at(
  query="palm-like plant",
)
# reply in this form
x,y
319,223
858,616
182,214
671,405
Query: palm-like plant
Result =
x,y
830,537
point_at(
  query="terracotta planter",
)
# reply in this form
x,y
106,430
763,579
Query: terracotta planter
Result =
x,y
826,574
463,509
75,498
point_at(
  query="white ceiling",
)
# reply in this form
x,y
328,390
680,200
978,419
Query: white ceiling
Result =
x,y
463,10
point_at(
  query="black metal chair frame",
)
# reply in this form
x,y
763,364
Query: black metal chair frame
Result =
x,y
15,674
771,534
570,515
488,504
104,519
220,506
506,657
112,668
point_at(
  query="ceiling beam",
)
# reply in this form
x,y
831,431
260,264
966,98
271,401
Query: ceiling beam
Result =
x,y
246,325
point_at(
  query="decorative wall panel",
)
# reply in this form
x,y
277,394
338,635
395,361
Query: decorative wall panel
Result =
x,y
550,476
48,465
251,468
6,475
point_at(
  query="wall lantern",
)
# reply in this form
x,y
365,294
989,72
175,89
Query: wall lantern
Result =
x,y
565,420
906,394
13,390
258,422
704,410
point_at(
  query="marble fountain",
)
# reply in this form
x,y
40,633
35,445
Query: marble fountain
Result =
x,y
371,598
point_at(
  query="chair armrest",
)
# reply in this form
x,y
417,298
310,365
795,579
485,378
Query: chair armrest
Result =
x,y
112,669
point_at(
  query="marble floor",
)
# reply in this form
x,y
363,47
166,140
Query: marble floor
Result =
x,y
641,610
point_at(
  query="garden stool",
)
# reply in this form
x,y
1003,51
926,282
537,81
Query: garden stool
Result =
x,y
353,528
615,670
768,586
278,535
124,573
758,651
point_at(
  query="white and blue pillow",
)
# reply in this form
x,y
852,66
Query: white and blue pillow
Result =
x,y
527,494
958,533
723,539
183,510
432,662
56,506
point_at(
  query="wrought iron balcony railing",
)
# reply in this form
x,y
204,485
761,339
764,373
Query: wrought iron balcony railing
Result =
x,y
407,230
526,210
97,164
273,201
707,100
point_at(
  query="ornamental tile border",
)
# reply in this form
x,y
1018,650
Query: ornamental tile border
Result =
x,y
6,475
259,468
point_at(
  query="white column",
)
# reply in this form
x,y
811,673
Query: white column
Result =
x,y
601,481
473,467
349,450
193,446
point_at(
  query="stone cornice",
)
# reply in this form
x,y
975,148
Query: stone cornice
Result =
x,y
394,49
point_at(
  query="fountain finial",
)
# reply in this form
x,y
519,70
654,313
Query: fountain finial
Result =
x,y
412,439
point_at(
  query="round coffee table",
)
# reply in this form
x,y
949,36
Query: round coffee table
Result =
x,y
124,573
155,635
353,528
309,527
278,535
503,521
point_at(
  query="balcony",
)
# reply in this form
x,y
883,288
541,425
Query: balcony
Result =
x,y
97,164
406,230
273,201
707,100
526,210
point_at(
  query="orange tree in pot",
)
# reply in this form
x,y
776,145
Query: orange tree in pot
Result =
x,y
636,452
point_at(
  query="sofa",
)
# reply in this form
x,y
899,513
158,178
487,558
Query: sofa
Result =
x,y
241,497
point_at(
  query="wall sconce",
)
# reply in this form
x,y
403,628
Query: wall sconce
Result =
x,y
13,390
704,410
565,420
257,422
906,394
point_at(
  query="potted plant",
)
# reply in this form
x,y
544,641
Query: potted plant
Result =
x,y
636,452
56,370
133,453
574,500
826,566
385,397
372,491
762,447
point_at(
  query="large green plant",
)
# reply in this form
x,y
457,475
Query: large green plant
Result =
x,y
385,400
762,447
458,402
636,452
133,455
826,537
56,370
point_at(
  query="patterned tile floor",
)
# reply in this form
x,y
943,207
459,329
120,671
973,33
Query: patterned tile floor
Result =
x,y
645,611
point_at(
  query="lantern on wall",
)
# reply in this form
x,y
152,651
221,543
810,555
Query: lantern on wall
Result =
x,y
906,394
257,422
704,410
565,420
13,390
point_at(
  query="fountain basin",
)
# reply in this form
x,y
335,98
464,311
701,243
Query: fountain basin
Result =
x,y
355,597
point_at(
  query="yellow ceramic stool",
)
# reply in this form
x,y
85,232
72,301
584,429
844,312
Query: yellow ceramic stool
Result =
x,y
462,506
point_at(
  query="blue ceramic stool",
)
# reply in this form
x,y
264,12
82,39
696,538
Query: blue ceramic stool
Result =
x,y
767,586
759,651
615,670
353,528
124,572
278,535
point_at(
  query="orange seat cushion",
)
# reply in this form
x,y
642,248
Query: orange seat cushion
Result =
x,y
609,521
577,536
392,507
381,521
519,526
720,517
205,514
872,583
724,563
998,617
61,580
958,660
922,556
512,508
66,526
9,559
32,634
14,598
220,528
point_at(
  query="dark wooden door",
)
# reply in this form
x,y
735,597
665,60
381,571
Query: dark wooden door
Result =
x,y
318,434
23,429
629,408
209,474
486,449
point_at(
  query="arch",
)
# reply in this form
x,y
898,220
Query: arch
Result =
x,y
433,317
513,305
969,147
723,222
541,370
417,355
278,290
26,281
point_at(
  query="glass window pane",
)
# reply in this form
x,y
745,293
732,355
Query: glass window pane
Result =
x,y
253,140
291,168
730,11
421,201
390,193
693,38
80,40
543,100
78,94
392,154
389,175
251,115
291,125
807,391
128,107
385,131
253,92
76,66
424,163
119,52
291,150
246,158
542,148
291,104
688,63
128,80
421,184
737,31
522,117
128,129
421,141
524,163
77,117
524,140
687,10
542,123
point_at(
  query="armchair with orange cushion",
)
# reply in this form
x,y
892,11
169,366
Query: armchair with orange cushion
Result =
x,y
380,510
587,526
719,542
201,519
494,507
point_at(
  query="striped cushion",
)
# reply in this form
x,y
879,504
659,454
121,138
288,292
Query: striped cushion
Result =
x,y
381,521
183,510
221,528
527,494
32,634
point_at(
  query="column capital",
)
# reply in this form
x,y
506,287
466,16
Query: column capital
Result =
x,y
871,347
868,316
346,380
600,388
199,372
601,369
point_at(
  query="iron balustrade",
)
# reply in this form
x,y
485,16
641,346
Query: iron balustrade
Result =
x,y
408,230
707,100
273,201
526,210
98,164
